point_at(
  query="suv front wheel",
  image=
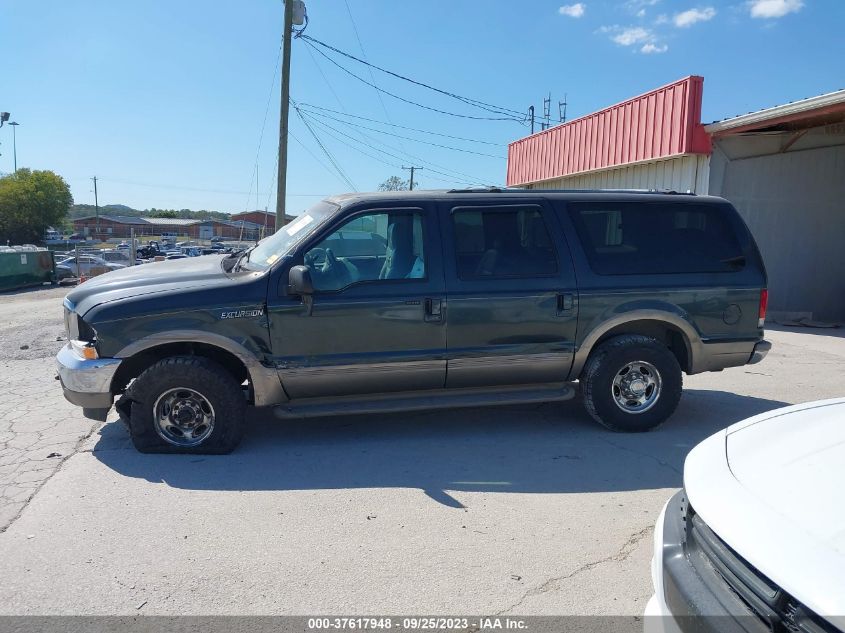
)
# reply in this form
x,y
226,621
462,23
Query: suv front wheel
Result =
x,y
184,404
631,383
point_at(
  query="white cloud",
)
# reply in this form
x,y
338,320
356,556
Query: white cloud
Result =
x,y
768,9
573,10
632,35
650,48
638,7
687,18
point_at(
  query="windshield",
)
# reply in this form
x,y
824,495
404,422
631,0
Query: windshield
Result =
x,y
273,248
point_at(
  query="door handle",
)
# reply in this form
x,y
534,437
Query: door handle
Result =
x,y
433,309
565,302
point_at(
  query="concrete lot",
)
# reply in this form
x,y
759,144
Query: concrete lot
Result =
x,y
524,510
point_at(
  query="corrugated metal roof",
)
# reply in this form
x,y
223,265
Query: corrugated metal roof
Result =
x,y
662,123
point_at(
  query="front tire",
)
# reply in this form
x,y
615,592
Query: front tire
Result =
x,y
631,383
186,404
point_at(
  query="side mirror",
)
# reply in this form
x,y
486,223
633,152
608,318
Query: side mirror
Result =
x,y
299,281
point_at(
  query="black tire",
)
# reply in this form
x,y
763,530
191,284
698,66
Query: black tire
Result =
x,y
200,375
611,358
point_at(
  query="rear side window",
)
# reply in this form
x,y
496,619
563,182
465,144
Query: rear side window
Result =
x,y
655,238
502,242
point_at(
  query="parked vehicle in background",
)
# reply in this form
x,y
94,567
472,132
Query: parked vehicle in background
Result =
x,y
755,540
345,310
149,250
116,257
191,251
89,265
216,238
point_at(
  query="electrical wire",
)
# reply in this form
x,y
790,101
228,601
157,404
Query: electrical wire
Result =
x,y
403,127
325,150
408,101
364,53
409,138
263,126
474,102
433,167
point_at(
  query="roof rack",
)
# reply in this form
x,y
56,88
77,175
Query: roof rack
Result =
x,y
518,190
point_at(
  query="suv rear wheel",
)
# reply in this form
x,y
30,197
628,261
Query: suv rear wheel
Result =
x,y
184,404
631,383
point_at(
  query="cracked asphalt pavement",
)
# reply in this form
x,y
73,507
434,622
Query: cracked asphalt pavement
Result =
x,y
516,510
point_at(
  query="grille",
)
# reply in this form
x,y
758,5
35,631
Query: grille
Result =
x,y
779,611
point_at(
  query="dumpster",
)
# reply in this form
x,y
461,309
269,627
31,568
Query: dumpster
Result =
x,y
20,268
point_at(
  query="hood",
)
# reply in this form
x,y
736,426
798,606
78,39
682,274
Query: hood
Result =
x,y
158,277
794,462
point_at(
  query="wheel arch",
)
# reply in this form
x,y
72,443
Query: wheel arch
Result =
x,y
671,329
265,387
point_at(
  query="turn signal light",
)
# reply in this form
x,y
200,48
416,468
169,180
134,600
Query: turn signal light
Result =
x,y
85,350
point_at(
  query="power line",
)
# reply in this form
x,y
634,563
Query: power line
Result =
x,y
404,127
325,151
263,126
433,167
395,96
313,155
364,53
409,138
474,102
197,189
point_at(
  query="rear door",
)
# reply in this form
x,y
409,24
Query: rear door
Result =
x,y
512,296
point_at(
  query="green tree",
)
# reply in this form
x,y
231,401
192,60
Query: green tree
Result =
x,y
31,201
163,213
394,183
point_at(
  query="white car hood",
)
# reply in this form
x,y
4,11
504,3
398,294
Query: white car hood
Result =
x,y
773,488
795,464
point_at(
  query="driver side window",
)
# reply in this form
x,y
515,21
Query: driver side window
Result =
x,y
387,245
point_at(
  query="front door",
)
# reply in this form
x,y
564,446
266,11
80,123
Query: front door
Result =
x,y
376,322
513,303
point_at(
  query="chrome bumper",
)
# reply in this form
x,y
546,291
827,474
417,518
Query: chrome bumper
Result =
x,y
86,383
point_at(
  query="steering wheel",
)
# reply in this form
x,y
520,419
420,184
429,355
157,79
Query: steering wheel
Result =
x,y
328,271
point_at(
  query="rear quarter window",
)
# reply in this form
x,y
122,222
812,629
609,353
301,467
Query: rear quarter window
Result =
x,y
654,238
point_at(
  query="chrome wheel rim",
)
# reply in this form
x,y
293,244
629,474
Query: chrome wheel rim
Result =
x,y
636,387
183,417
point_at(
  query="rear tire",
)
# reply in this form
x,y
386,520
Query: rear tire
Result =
x,y
185,404
631,384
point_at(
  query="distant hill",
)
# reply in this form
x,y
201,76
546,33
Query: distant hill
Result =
x,y
84,210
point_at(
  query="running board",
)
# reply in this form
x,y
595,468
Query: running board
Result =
x,y
422,401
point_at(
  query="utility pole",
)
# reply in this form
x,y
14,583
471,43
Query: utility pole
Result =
x,y
412,168
281,179
531,115
96,207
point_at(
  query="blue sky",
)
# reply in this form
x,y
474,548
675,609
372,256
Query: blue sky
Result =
x,y
165,100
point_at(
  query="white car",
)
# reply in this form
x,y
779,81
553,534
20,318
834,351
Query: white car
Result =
x,y
756,538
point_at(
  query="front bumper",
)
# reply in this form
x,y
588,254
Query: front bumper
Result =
x,y
761,348
688,595
87,383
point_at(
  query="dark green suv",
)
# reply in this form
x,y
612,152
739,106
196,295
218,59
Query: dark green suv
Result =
x,y
414,300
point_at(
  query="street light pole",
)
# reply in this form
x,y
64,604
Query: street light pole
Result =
x,y
15,125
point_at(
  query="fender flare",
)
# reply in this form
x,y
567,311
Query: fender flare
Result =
x,y
265,381
667,315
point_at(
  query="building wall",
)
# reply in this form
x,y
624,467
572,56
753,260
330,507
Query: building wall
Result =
x,y
682,173
258,218
793,203
663,123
